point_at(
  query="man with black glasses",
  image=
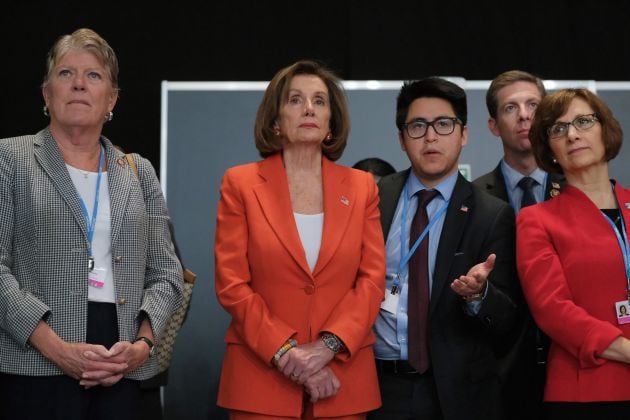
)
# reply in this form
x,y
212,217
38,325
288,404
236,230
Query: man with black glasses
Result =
x,y
512,99
451,282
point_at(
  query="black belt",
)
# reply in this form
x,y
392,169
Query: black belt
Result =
x,y
398,367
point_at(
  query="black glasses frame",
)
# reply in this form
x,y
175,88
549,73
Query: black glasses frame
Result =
x,y
431,124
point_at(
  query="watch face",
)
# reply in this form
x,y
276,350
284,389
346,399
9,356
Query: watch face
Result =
x,y
331,342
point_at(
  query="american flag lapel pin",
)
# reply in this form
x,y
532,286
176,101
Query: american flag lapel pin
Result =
x,y
627,205
345,201
464,209
555,189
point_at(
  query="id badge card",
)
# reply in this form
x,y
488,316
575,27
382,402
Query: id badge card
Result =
x,y
96,277
392,295
622,311
390,303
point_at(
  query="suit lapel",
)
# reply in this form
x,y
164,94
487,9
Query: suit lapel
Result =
x,y
460,206
273,196
49,158
119,178
498,188
390,189
339,201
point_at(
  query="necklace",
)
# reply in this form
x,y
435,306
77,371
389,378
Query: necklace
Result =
x,y
84,173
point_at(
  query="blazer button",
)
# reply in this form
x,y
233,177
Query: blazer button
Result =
x,y
118,258
122,301
309,289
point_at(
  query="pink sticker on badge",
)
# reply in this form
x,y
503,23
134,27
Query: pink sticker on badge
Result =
x,y
96,283
96,277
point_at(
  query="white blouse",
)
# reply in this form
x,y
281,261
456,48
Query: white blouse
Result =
x,y
310,227
101,279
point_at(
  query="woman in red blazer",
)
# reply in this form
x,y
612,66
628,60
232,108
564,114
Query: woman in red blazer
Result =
x,y
572,255
300,262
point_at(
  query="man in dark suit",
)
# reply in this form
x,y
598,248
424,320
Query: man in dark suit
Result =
x,y
511,100
450,302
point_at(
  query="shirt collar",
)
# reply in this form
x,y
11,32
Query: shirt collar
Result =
x,y
445,187
512,176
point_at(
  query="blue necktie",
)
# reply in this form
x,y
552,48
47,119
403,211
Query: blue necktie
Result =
x,y
527,185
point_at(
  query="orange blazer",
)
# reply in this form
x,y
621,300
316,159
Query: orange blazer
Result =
x,y
263,281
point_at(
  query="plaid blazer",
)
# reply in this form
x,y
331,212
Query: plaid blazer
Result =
x,y
44,251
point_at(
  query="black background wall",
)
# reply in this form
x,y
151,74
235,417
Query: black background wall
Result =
x,y
249,40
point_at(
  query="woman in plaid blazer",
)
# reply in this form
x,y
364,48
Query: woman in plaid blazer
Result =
x,y
88,274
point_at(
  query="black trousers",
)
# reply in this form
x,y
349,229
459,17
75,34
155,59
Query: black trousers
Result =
x,y
406,394
61,397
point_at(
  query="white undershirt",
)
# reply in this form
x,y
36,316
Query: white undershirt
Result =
x,y
310,227
85,183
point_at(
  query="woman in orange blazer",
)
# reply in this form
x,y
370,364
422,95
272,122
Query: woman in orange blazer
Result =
x,y
570,255
300,261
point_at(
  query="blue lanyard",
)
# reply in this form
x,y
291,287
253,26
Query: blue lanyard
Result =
x,y
623,244
92,222
404,258
508,189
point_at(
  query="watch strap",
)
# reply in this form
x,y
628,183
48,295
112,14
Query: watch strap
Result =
x,y
148,342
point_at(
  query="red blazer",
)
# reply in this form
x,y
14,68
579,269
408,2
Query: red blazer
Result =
x,y
572,272
264,282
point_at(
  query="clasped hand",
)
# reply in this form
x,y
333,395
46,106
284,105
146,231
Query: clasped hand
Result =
x,y
96,365
306,365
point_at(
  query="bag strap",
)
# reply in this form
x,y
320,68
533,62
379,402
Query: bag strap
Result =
x,y
132,163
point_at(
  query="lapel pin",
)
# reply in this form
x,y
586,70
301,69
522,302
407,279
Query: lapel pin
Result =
x,y
555,189
120,162
345,201
627,205
463,209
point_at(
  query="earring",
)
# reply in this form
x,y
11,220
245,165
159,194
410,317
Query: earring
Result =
x,y
276,131
554,160
328,136
109,116
45,110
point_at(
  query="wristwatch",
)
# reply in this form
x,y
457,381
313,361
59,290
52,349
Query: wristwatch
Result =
x,y
149,343
332,342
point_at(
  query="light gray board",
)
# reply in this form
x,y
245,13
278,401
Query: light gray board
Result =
x,y
210,131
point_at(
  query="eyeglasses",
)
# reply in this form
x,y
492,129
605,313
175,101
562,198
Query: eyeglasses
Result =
x,y
443,126
581,123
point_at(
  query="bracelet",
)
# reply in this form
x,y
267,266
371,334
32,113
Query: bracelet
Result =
x,y
288,345
477,296
473,297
